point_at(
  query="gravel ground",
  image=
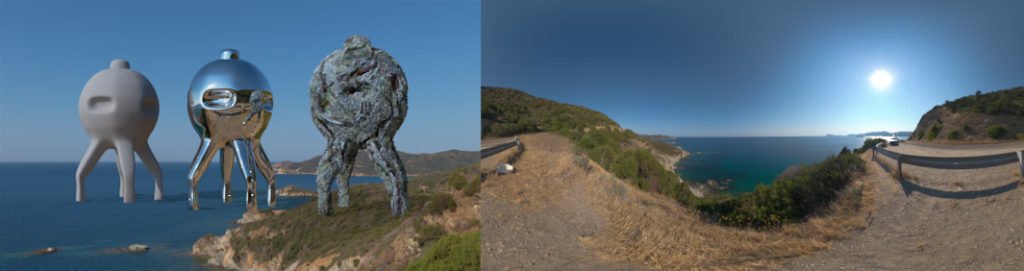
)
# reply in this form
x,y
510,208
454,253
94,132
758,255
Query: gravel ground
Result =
x,y
936,219
535,218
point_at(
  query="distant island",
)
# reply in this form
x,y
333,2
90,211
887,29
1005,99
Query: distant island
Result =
x,y
982,117
415,164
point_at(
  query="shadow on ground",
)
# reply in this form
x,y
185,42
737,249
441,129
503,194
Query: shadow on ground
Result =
x,y
910,187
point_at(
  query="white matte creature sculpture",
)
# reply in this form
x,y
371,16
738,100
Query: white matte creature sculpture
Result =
x,y
119,108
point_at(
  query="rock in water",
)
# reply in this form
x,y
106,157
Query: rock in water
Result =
x,y
358,100
47,250
138,248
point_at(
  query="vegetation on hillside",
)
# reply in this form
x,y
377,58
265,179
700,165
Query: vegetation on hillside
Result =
x,y
869,143
616,150
996,131
791,198
1007,101
300,234
613,151
659,145
452,252
509,112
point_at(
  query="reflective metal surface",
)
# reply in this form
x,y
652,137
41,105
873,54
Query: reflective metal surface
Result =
x,y
230,105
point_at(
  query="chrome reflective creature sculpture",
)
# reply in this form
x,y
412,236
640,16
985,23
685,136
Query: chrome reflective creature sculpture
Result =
x,y
230,104
358,100
119,108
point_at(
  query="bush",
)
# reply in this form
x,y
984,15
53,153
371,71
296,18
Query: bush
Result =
x,y
934,131
456,180
441,202
428,233
954,135
472,188
1007,101
452,252
1020,136
790,199
996,131
870,143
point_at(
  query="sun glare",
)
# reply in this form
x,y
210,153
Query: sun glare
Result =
x,y
881,79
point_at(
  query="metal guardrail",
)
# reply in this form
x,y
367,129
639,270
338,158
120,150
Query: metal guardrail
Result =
x,y
487,151
967,162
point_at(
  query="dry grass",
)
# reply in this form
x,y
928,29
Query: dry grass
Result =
x,y
652,230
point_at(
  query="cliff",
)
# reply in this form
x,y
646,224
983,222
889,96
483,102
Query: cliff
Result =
x,y
363,236
982,117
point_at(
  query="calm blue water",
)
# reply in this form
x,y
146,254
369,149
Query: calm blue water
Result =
x,y
749,161
38,209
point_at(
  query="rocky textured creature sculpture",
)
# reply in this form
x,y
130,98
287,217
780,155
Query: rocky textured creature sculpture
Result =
x,y
358,100
230,105
119,108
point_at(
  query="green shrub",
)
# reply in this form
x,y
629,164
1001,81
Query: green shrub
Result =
x,y
1007,101
934,131
790,199
869,143
456,180
996,131
452,252
1020,136
441,202
472,188
426,234
954,135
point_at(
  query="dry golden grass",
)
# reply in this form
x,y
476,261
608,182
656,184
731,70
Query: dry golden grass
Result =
x,y
655,231
637,228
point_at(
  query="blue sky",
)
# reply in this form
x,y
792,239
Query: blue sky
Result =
x,y
49,49
753,68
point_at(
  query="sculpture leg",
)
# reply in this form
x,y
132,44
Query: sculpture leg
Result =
x,y
126,166
335,165
392,173
89,160
243,151
344,162
324,176
227,163
146,155
263,163
199,164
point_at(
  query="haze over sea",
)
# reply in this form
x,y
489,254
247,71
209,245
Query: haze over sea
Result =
x,y
38,210
749,161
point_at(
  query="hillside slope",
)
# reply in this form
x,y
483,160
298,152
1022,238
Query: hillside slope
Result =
x,y
508,112
644,160
363,236
983,117
415,164
561,210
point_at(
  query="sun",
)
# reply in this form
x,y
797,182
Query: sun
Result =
x,y
881,79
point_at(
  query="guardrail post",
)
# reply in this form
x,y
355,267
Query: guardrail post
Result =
x,y
1020,159
899,166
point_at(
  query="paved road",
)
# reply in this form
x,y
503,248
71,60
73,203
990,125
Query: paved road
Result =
x,y
944,150
983,146
494,146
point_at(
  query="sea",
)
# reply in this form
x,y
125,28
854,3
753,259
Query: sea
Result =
x,y
38,210
749,161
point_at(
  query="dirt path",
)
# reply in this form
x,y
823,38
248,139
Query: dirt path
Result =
x,y
937,220
534,219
